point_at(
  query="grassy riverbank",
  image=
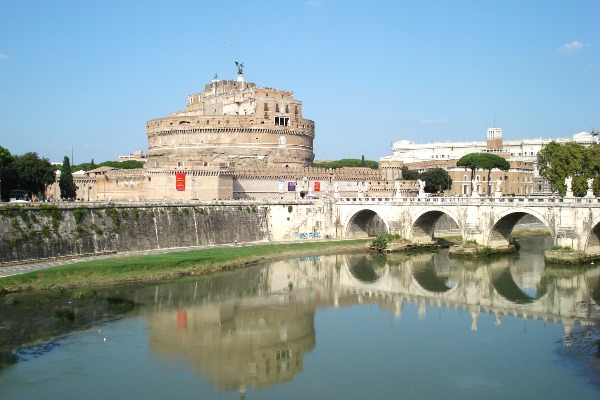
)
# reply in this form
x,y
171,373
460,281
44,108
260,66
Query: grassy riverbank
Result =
x,y
117,270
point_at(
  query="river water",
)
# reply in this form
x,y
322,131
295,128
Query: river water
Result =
x,y
355,326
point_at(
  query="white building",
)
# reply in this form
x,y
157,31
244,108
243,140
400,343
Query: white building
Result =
x,y
519,150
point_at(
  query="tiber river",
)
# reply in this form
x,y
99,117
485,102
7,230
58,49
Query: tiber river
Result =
x,y
351,326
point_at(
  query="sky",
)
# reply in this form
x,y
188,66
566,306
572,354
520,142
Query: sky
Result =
x,y
81,78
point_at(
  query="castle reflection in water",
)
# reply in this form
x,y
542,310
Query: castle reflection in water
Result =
x,y
252,328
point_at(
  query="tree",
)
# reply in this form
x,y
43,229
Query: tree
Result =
x,y
31,173
436,179
5,160
68,189
409,174
92,165
486,161
129,164
557,161
470,161
346,162
489,162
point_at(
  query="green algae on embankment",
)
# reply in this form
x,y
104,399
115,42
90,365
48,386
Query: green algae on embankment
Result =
x,y
144,268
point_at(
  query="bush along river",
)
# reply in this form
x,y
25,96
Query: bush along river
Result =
x,y
351,326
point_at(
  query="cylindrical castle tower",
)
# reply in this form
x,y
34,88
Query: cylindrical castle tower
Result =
x,y
233,123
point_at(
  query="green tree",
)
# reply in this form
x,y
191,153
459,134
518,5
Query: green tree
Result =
x,y
557,161
436,179
470,161
409,174
31,173
485,161
5,160
490,161
68,189
592,163
92,165
348,162
129,164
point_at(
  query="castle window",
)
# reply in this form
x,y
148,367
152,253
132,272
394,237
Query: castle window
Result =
x,y
276,107
295,110
285,121
266,107
287,109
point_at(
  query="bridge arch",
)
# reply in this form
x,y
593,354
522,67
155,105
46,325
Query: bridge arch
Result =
x,y
423,225
592,243
365,222
501,231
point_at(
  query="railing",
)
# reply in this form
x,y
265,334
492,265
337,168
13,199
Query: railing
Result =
x,y
447,200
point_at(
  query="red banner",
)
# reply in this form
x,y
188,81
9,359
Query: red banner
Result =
x,y
317,186
180,181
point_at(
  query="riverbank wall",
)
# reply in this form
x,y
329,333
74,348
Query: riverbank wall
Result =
x,y
43,231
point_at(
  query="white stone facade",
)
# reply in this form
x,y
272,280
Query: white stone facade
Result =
x,y
519,150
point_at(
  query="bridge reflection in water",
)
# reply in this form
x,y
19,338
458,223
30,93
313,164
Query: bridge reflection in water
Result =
x,y
253,329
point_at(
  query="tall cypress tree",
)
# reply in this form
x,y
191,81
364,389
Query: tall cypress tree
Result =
x,y
68,189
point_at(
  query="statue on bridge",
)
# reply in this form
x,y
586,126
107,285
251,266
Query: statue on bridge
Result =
x,y
498,192
421,188
474,191
397,189
568,183
590,189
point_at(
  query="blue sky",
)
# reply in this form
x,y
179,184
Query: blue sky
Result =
x,y
87,75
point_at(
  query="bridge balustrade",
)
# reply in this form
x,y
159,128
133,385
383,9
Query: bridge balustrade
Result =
x,y
465,199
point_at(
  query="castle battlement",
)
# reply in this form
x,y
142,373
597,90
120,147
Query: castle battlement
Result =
x,y
234,123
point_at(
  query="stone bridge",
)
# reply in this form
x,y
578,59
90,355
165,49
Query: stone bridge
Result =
x,y
489,221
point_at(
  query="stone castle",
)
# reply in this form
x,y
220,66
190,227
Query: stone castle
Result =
x,y
234,140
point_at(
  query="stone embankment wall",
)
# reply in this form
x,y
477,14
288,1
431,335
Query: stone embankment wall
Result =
x,y
48,231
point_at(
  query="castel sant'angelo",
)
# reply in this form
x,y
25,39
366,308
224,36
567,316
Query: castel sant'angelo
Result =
x,y
234,140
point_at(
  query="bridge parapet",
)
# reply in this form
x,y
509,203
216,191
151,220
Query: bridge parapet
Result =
x,y
578,201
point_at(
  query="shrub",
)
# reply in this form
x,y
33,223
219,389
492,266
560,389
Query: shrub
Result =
x,y
79,213
380,242
114,214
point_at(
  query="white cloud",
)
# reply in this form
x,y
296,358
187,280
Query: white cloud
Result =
x,y
4,57
440,121
573,47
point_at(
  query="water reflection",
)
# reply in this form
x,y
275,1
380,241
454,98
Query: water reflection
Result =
x,y
255,330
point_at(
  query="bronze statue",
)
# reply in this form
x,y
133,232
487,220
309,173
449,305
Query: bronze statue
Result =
x,y
240,67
